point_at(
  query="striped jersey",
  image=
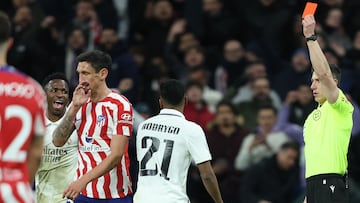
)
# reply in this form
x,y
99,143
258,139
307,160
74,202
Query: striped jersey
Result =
x,y
166,145
96,124
57,163
22,105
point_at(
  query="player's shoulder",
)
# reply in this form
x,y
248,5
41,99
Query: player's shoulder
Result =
x,y
23,84
117,97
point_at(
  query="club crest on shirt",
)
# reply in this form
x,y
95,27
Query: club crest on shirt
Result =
x,y
316,115
100,121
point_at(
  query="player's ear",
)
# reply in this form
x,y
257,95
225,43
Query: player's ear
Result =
x,y
103,73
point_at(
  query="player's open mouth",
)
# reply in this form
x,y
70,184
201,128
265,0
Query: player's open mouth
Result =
x,y
58,104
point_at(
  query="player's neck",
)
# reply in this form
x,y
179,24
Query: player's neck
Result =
x,y
54,118
100,93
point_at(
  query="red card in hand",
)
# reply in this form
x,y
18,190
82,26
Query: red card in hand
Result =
x,y
310,9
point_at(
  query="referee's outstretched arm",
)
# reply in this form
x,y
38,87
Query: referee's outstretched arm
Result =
x,y
319,63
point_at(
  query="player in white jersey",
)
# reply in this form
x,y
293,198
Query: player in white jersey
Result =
x,y
22,106
103,121
166,144
58,164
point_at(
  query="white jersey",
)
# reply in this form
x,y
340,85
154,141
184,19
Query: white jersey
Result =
x,y
166,144
57,167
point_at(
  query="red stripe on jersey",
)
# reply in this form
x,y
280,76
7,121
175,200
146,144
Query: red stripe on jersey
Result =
x,y
82,123
94,121
94,188
107,179
15,193
103,132
80,173
93,165
120,184
124,121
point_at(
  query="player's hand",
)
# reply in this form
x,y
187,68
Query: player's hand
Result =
x,y
308,25
74,189
81,94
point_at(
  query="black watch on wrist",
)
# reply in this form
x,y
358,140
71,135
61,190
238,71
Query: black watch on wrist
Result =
x,y
312,38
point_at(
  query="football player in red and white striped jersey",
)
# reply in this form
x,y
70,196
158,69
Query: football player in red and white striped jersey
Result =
x,y
103,120
22,126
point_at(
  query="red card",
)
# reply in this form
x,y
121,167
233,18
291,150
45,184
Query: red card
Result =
x,y
310,9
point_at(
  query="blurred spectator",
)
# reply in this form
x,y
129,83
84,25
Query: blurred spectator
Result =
x,y
263,143
26,53
298,72
218,25
154,29
87,20
49,38
152,74
124,74
244,93
266,21
299,104
339,41
225,139
106,12
196,109
123,16
261,96
76,43
178,41
232,65
210,96
273,180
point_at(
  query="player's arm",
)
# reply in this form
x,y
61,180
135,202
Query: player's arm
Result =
x,y
318,60
117,147
209,180
34,155
62,133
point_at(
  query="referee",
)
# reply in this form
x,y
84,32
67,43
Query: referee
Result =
x,y
327,129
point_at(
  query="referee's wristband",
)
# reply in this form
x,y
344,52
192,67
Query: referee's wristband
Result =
x,y
311,38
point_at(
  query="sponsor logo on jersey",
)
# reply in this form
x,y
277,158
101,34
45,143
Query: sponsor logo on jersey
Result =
x,y
93,148
89,139
126,117
15,89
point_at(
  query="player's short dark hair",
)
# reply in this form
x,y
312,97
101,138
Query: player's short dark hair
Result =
x,y
172,92
5,27
55,76
97,59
